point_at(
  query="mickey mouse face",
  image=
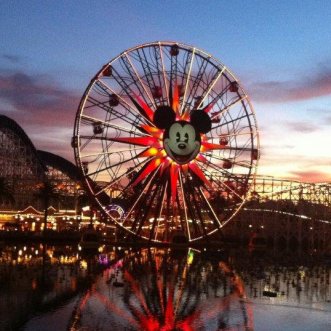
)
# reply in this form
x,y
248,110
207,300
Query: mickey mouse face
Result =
x,y
182,142
181,139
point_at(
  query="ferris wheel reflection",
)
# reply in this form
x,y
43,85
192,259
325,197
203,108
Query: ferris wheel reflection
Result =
x,y
157,290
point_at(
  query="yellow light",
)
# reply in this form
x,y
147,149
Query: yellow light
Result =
x,y
190,257
83,264
153,151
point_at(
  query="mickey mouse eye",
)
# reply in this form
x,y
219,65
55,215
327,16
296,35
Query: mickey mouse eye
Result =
x,y
177,137
186,137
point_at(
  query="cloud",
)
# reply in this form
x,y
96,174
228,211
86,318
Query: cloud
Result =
x,y
311,176
317,84
14,59
41,106
302,127
37,99
327,120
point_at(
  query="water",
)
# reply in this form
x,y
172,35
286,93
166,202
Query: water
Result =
x,y
55,288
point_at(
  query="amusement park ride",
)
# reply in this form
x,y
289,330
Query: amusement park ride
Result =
x,y
166,132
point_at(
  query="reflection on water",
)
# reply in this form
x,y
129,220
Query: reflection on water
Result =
x,y
155,290
36,279
55,288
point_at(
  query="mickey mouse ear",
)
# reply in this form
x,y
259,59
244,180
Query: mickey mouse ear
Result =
x,y
201,121
164,116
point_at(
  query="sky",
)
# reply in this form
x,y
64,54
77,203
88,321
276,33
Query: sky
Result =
x,y
279,50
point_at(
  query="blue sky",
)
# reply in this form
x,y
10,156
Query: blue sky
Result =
x,y
279,50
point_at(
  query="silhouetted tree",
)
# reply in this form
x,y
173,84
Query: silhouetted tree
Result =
x,y
6,193
46,192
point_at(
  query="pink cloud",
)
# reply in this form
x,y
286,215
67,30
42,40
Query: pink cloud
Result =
x,y
311,176
42,107
37,99
327,120
317,84
302,127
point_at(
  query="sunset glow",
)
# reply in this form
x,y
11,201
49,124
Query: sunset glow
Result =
x,y
47,61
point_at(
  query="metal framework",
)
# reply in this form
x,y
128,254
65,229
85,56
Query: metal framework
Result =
x,y
310,201
271,188
24,170
20,165
289,213
65,180
120,147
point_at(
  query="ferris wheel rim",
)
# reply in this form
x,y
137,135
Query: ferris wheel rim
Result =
x,y
78,155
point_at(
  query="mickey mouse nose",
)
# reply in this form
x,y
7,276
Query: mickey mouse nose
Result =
x,y
181,146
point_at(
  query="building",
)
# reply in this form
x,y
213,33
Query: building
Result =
x,y
32,181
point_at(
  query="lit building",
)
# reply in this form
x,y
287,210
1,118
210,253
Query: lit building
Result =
x,y
32,180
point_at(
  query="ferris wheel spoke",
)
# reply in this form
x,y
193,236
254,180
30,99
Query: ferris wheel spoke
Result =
x,y
140,81
166,83
237,180
233,162
119,178
208,147
245,146
121,100
94,175
135,141
231,148
195,209
159,213
213,101
213,213
232,190
227,108
142,219
237,119
190,61
108,109
195,87
130,93
137,199
185,207
230,135
111,166
190,212
160,198
85,141
236,124
214,81
197,202
131,70
112,126
147,68
111,153
223,171
118,153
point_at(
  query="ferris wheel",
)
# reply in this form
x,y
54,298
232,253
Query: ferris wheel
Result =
x,y
166,132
